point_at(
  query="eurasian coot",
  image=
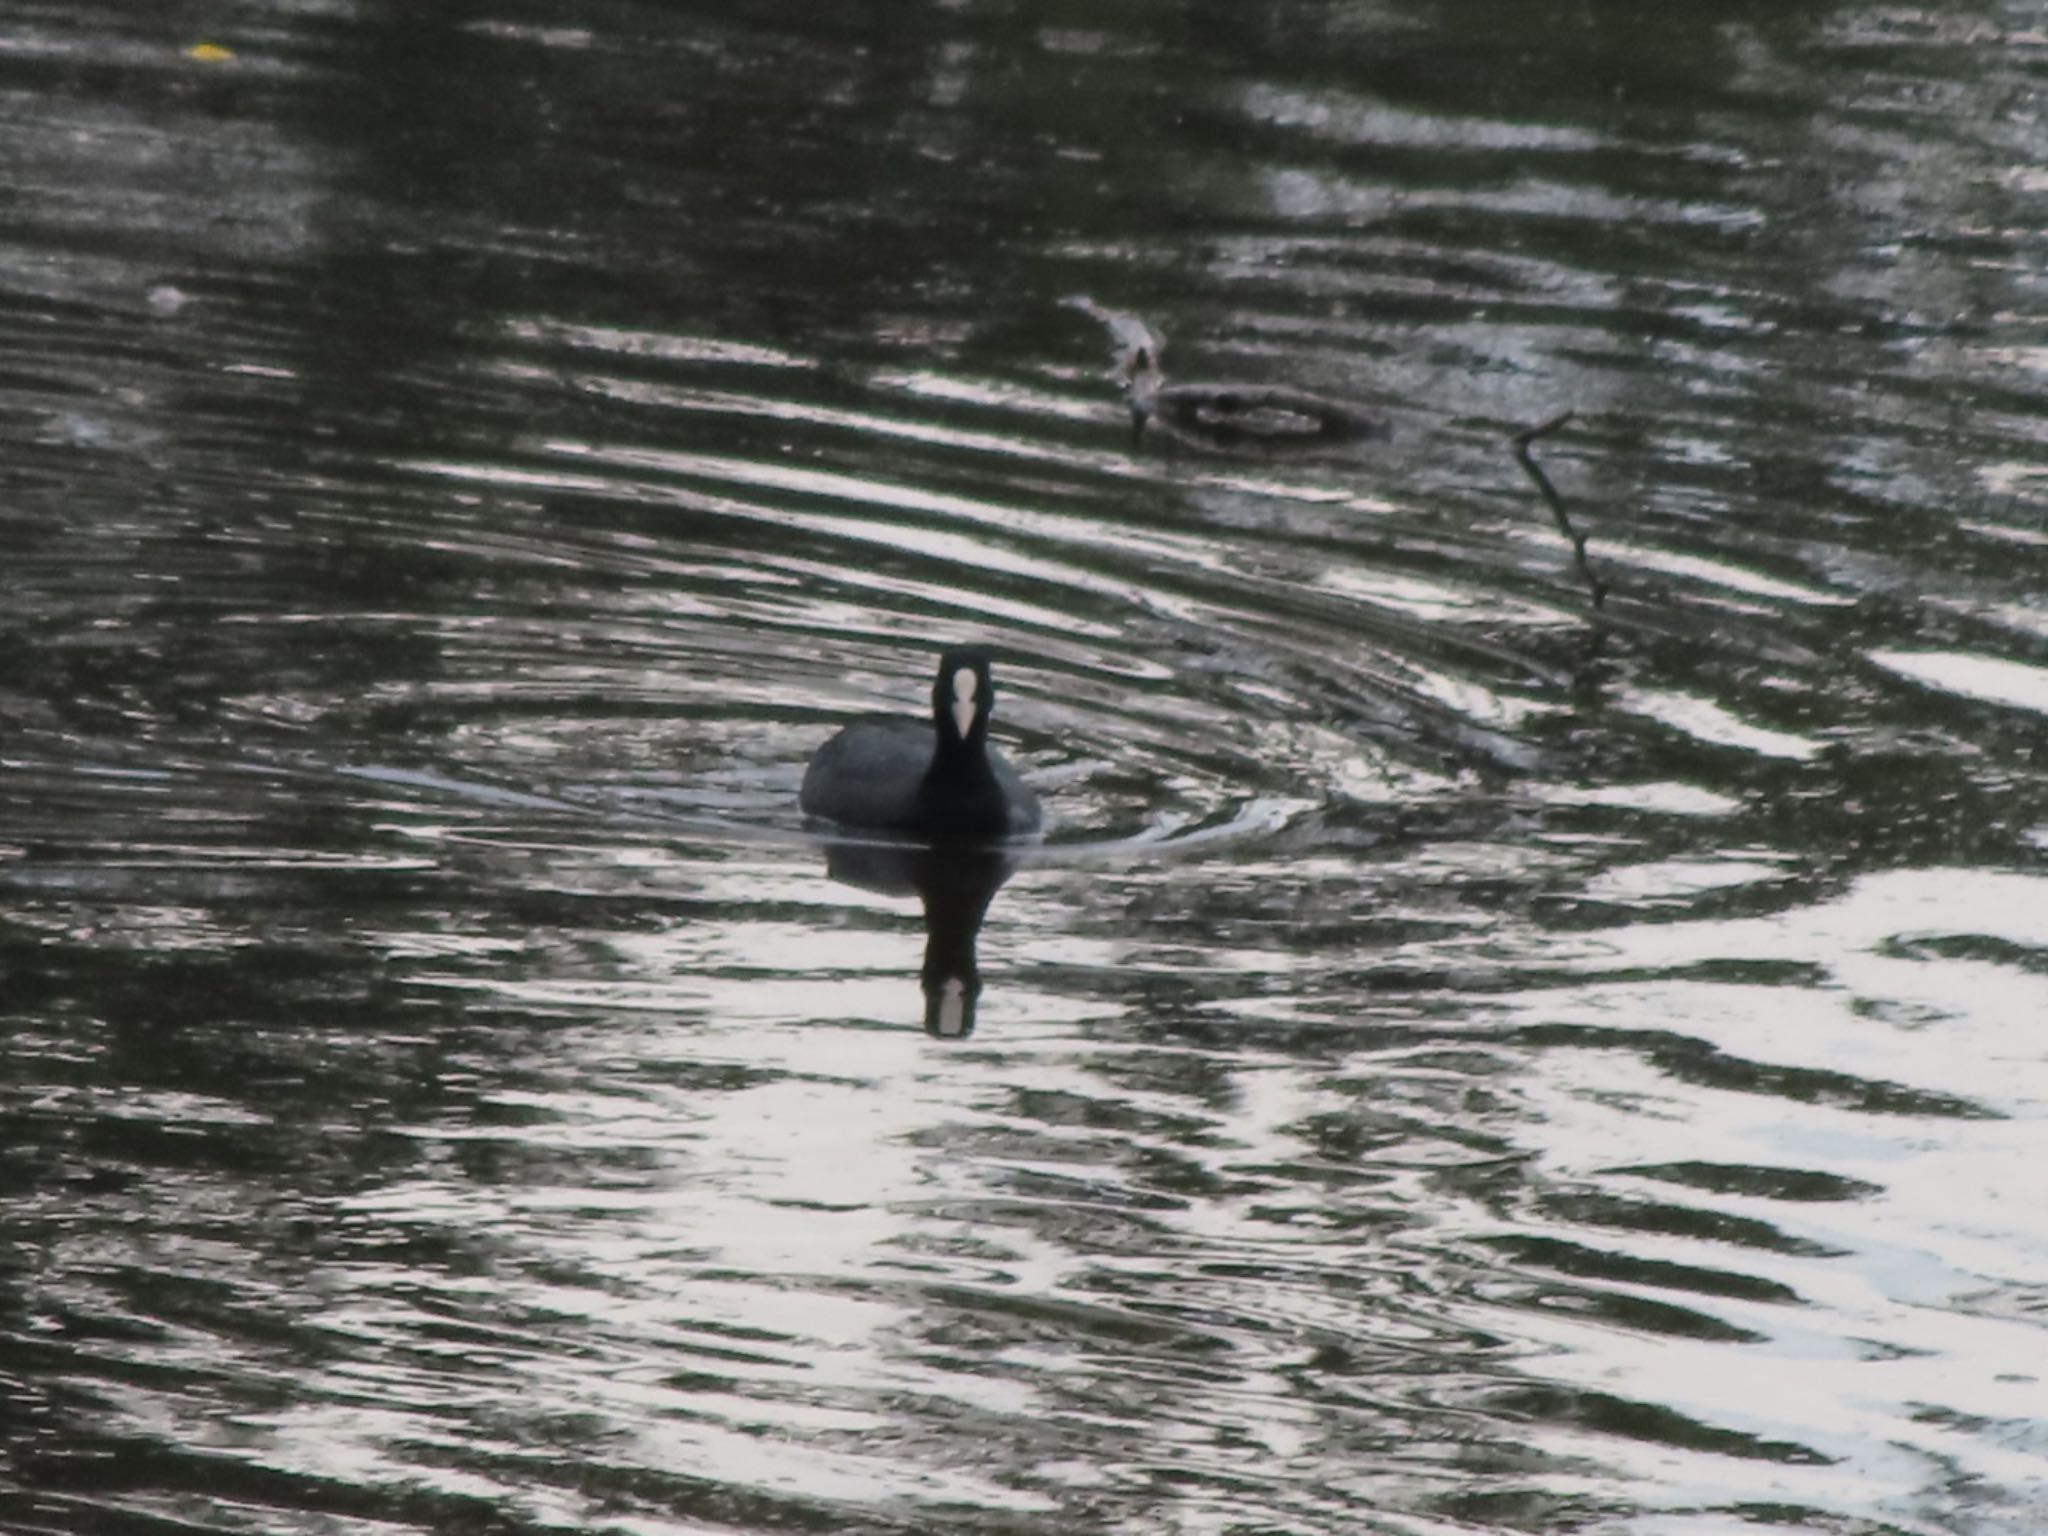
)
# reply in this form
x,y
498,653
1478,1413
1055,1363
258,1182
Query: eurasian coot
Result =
x,y
938,778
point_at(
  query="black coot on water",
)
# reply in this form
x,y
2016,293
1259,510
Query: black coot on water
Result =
x,y
936,779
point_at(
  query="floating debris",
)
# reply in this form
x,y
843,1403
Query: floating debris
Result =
x,y
1223,415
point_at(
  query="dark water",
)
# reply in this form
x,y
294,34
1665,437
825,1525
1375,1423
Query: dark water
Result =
x,y
1459,1064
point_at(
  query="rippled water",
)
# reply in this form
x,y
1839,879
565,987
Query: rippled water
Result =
x,y
1460,1061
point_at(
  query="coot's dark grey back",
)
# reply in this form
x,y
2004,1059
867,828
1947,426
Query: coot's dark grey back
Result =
x,y
870,775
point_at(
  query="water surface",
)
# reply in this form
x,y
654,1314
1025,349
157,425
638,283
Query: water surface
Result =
x,y
1461,1061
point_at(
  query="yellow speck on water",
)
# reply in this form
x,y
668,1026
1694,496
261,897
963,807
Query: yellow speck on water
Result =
x,y
209,53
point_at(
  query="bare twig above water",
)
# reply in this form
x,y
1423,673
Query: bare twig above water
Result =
x,y
1522,439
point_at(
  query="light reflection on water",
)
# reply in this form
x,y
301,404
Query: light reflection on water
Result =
x,y
1454,1064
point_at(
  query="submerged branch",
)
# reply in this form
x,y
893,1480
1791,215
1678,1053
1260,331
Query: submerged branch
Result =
x,y
1522,439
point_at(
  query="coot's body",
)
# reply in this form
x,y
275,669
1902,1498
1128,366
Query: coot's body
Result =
x,y
936,778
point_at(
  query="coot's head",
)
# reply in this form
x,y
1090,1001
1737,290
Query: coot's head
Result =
x,y
962,696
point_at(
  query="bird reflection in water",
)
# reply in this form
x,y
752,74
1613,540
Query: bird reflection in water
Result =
x,y
955,883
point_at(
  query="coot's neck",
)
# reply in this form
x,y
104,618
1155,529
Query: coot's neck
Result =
x,y
959,759
960,794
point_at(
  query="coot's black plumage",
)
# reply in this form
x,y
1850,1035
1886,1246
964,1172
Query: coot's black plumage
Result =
x,y
936,778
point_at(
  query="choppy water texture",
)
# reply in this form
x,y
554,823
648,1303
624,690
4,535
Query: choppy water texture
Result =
x,y
1459,1063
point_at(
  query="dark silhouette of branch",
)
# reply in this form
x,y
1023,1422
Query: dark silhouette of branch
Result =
x,y
1522,439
